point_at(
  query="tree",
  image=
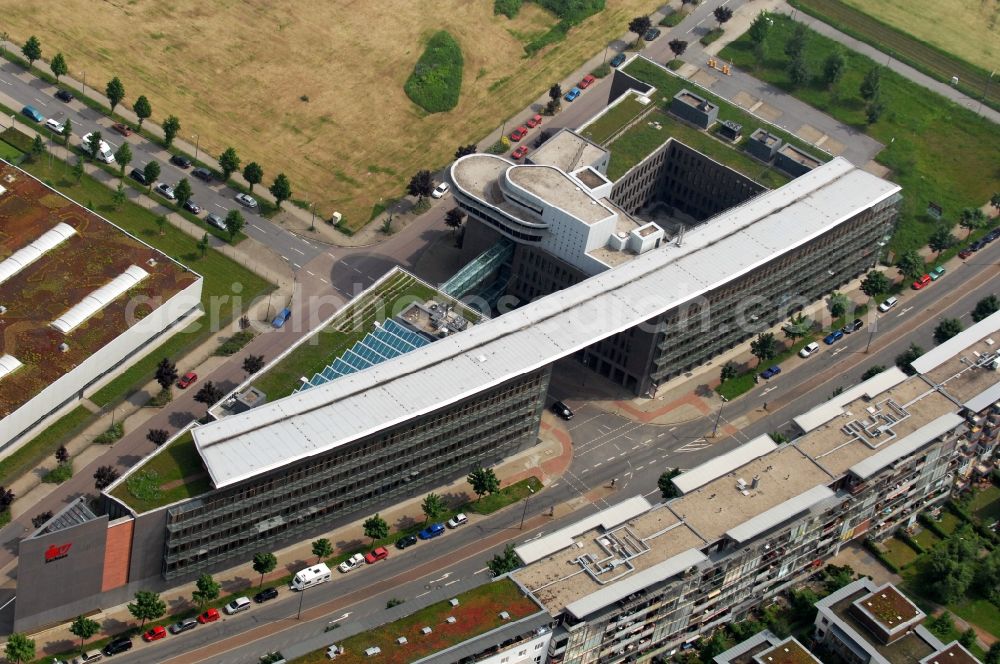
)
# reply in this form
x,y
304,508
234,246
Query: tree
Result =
x,y
32,50
667,488
764,347
833,68
972,219
941,239
142,109
433,507
715,645
797,72
183,191
797,327
639,25
837,576
161,223
993,654
37,147
104,477
85,628
123,156
59,66
322,548
147,606
203,245
464,150
41,518
985,308
19,647
453,218
421,185
119,197
229,162
910,264
62,454
555,93
253,363
208,394
157,436
235,223
872,371
67,131
152,171
115,92
729,370
722,14
871,86
904,359
968,638
253,173
78,170
946,329
6,498
166,373
171,127
264,563
796,44
874,111
483,481
505,562
678,46
376,528
995,202
760,28
281,189
207,590
93,145
875,283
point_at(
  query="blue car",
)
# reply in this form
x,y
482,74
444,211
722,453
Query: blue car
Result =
x,y
281,318
32,112
572,94
431,531
770,372
618,59
833,337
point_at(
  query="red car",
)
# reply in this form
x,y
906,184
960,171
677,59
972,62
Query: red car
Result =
x,y
122,129
965,253
519,152
534,121
155,634
921,282
209,616
378,554
518,133
585,83
187,379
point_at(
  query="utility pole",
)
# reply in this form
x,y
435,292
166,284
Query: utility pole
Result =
x,y
302,597
718,416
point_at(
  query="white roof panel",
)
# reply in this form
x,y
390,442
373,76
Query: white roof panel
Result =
x,y
779,513
828,410
99,299
27,255
725,463
941,353
8,364
274,434
983,399
907,445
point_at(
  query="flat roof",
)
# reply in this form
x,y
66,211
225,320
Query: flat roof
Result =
x,y
780,513
789,651
560,190
953,653
55,255
888,607
715,468
964,369
944,352
568,151
906,446
828,410
732,244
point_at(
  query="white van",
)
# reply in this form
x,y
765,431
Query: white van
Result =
x,y
310,576
105,154
888,304
237,605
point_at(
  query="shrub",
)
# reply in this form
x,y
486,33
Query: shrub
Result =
x,y
113,434
160,399
672,19
59,474
602,71
675,64
235,343
436,81
711,36
508,8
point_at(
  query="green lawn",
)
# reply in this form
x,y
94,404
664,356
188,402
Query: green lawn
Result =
x,y
980,611
43,446
734,387
985,504
926,539
506,496
436,81
937,150
9,152
178,466
616,118
898,552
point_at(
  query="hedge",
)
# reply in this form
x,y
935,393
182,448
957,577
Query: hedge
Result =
x,y
436,81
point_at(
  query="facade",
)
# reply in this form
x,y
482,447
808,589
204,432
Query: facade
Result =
x,y
80,298
638,580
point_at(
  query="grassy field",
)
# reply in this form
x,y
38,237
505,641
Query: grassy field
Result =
x,y
358,137
935,149
958,41
436,81
174,474
42,446
985,504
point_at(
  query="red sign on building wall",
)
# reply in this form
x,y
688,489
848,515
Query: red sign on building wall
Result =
x,y
54,552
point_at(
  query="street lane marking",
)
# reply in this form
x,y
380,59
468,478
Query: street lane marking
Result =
x,y
324,280
285,257
610,459
310,273
599,463
422,594
298,250
257,227
451,582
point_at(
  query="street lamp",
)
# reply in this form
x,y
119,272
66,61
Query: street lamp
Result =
x,y
986,88
197,144
84,93
302,597
312,222
719,415
531,492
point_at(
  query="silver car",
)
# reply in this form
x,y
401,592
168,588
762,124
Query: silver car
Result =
x,y
247,200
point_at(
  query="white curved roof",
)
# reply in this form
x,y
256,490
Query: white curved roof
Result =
x,y
99,299
8,364
25,256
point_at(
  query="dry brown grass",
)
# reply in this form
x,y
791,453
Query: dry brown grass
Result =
x,y
233,72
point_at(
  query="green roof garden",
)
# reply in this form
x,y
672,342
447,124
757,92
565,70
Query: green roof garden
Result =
x,y
172,474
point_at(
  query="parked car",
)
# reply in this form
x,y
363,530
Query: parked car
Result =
x,y
921,282
32,113
440,190
203,174
458,520
651,34
119,645
88,657
281,318
534,120
965,253
187,379
246,200
216,221
587,81
122,128
137,175
854,326
770,372
372,557
266,594
209,616
992,235
809,349
888,304
180,161
572,94
519,152
351,563
518,133
562,410
166,190
238,605
155,634
404,542
431,531
937,273
55,126
833,337
194,208
183,626
64,95
617,60
104,152
978,244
